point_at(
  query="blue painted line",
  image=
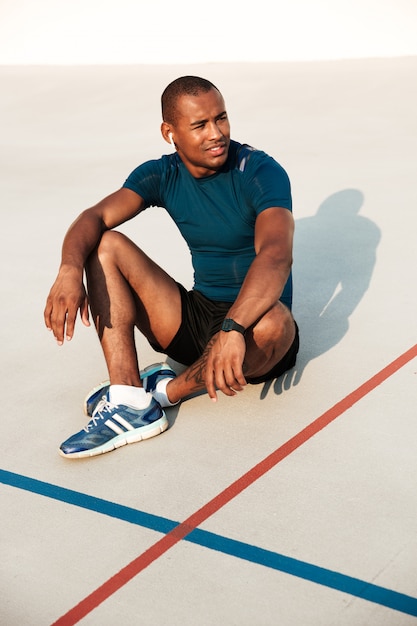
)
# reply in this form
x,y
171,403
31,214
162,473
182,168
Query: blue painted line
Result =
x,y
301,569
259,556
125,513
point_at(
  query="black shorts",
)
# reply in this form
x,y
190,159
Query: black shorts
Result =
x,y
201,319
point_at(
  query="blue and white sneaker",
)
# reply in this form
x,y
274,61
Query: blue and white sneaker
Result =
x,y
113,426
151,376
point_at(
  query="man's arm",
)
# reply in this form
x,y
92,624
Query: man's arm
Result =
x,y
269,271
261,289
68,294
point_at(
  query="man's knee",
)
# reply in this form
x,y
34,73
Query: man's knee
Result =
x,y
275,327
110,243
112,250
272,345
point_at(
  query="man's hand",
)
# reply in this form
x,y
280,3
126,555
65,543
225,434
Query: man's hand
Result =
x,y
224,364
66,297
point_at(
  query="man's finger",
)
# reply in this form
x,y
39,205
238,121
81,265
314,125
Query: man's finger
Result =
x,y
71,317
210,384
85,317
223,385
47,315
58,325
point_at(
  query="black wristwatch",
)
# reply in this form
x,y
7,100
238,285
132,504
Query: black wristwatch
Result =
x,y
229,324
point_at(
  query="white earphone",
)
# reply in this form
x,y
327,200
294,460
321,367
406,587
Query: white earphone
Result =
x,y
171,140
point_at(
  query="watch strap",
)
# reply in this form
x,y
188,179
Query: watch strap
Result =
x,y
229,324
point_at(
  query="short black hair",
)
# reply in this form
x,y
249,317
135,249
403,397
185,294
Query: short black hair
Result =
x,y
183,86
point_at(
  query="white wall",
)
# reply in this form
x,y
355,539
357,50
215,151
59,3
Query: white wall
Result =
x,y
186,31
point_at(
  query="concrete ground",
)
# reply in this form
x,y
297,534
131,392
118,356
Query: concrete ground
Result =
x,y
294,503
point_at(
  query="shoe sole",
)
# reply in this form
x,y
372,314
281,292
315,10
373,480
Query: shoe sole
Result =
x,y
132,436
148,371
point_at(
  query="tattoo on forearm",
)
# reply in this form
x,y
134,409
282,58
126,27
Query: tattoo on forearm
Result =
x,y
196,372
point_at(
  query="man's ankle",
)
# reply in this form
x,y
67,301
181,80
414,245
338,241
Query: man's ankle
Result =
x,y
163,396
170,393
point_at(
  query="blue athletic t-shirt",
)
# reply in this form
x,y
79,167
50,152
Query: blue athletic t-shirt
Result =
x,y
216,214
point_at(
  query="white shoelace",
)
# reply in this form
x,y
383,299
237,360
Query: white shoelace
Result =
x,y
103,406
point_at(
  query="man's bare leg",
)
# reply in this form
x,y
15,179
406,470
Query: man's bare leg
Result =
x,y
127,289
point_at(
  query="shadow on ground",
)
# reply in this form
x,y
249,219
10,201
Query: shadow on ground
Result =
x,y
334,258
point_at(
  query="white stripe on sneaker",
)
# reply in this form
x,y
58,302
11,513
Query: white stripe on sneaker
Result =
x,y
122,421
114,427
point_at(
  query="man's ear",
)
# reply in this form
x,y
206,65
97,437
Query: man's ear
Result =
x,y
167,132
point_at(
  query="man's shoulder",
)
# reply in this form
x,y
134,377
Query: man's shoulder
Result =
x,y
164,162
243,155
154,167
260,177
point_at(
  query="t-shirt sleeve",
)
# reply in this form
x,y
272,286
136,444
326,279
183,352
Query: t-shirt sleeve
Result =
x,y
267,183
145,180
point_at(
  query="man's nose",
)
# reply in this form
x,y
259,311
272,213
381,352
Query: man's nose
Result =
x,y
214,131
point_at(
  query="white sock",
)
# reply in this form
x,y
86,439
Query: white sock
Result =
x,y
135,397
160,393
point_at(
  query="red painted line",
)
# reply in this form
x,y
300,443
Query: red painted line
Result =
x,y
126,574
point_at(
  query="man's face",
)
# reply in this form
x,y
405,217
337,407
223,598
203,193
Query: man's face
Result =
x,y
202,133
